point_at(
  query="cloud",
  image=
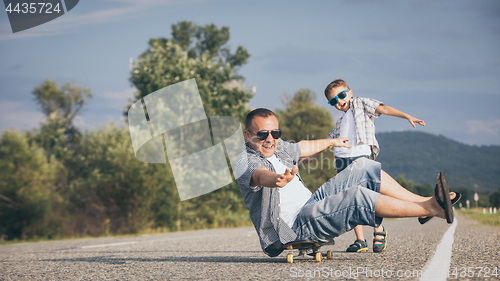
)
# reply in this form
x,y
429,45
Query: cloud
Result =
x,y
74,19
484,127
302,61
118,99
12,115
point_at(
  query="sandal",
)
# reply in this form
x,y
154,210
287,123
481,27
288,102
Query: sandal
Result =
x,y
457,198
378,248
358,246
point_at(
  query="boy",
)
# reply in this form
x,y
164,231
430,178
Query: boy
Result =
x,y
358,126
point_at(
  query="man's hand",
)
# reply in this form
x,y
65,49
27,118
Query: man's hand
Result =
x,y
287,177
414,120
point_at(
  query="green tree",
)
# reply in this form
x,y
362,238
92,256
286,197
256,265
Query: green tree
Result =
x,y
302,119
199,52
494,199
61,106
113,192
27,194
66,101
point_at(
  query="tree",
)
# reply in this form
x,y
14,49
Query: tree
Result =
x,y
57,134
199,52
27,195
494,198
113,192
66,102
302,118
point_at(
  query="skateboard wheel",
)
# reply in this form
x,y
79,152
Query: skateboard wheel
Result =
x,y
329,255
289,258
318,257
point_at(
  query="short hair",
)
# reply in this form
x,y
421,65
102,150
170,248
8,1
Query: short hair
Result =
x,y
262,112
334,84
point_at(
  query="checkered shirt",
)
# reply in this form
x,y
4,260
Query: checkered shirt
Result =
x,y
363,110
264,202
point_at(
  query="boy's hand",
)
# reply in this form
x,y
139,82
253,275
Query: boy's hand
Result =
x,y
414,120
287,177
341,142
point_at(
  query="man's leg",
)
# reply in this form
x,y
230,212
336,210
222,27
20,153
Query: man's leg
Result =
x,y
323,220
360,197
392,188
388,206
363,172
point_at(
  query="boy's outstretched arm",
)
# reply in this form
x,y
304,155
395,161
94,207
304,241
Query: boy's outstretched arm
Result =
x,y
387,110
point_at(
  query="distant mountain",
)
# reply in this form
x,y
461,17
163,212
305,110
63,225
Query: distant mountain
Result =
x,y
421,156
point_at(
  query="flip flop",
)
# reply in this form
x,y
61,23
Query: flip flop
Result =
x,y
445,203
457,198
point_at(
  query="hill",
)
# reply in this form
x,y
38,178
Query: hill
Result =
x,y
420,156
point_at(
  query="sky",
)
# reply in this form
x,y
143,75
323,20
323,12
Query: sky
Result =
x,y
435,60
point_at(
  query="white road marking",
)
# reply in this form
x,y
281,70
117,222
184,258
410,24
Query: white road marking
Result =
x,y
147,241
437,268
107,245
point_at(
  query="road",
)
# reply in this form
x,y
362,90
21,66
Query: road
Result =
x,y
229,254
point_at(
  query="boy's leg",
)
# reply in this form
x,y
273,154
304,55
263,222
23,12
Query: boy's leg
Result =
x,y
359,244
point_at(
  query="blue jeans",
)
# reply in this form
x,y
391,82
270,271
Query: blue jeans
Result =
x,y
342,203
342,163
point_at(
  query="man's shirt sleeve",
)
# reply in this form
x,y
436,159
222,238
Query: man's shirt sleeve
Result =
x,y
246,164
292,149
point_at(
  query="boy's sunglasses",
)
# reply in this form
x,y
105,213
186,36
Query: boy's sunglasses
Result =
x,y
333,101
262,135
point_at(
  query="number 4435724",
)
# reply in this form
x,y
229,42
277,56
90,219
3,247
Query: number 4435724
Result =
x,y
33,8
470,271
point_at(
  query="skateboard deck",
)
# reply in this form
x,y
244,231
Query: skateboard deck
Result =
x,y
307,248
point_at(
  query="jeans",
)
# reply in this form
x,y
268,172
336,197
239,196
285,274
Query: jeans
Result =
x,y
342,163
342,203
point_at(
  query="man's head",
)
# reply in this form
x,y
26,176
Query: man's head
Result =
x,y
339,95
262,131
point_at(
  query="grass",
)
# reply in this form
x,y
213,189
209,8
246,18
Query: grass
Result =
x,y
477,214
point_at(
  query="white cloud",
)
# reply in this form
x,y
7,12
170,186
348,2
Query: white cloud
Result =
x,y
118,99
73,19
78,121
484,127
12,115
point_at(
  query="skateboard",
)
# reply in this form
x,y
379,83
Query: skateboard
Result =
x,y
307,248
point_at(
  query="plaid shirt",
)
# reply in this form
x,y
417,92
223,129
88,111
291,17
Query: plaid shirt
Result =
x,y
264,202
363,110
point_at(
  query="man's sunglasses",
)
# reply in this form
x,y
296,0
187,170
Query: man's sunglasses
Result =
x,y
333,101
262,135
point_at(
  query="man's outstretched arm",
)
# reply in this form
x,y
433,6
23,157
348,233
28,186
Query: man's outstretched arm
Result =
x,y
311,147
264,177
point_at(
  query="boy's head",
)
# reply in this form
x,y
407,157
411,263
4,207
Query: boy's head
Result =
x,y
343,101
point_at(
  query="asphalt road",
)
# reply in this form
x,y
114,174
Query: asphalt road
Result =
x,y
229,254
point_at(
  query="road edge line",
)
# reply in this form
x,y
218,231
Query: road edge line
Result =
x,y
437,268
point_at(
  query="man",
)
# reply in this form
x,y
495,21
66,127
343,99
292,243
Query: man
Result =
x,y
283,210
